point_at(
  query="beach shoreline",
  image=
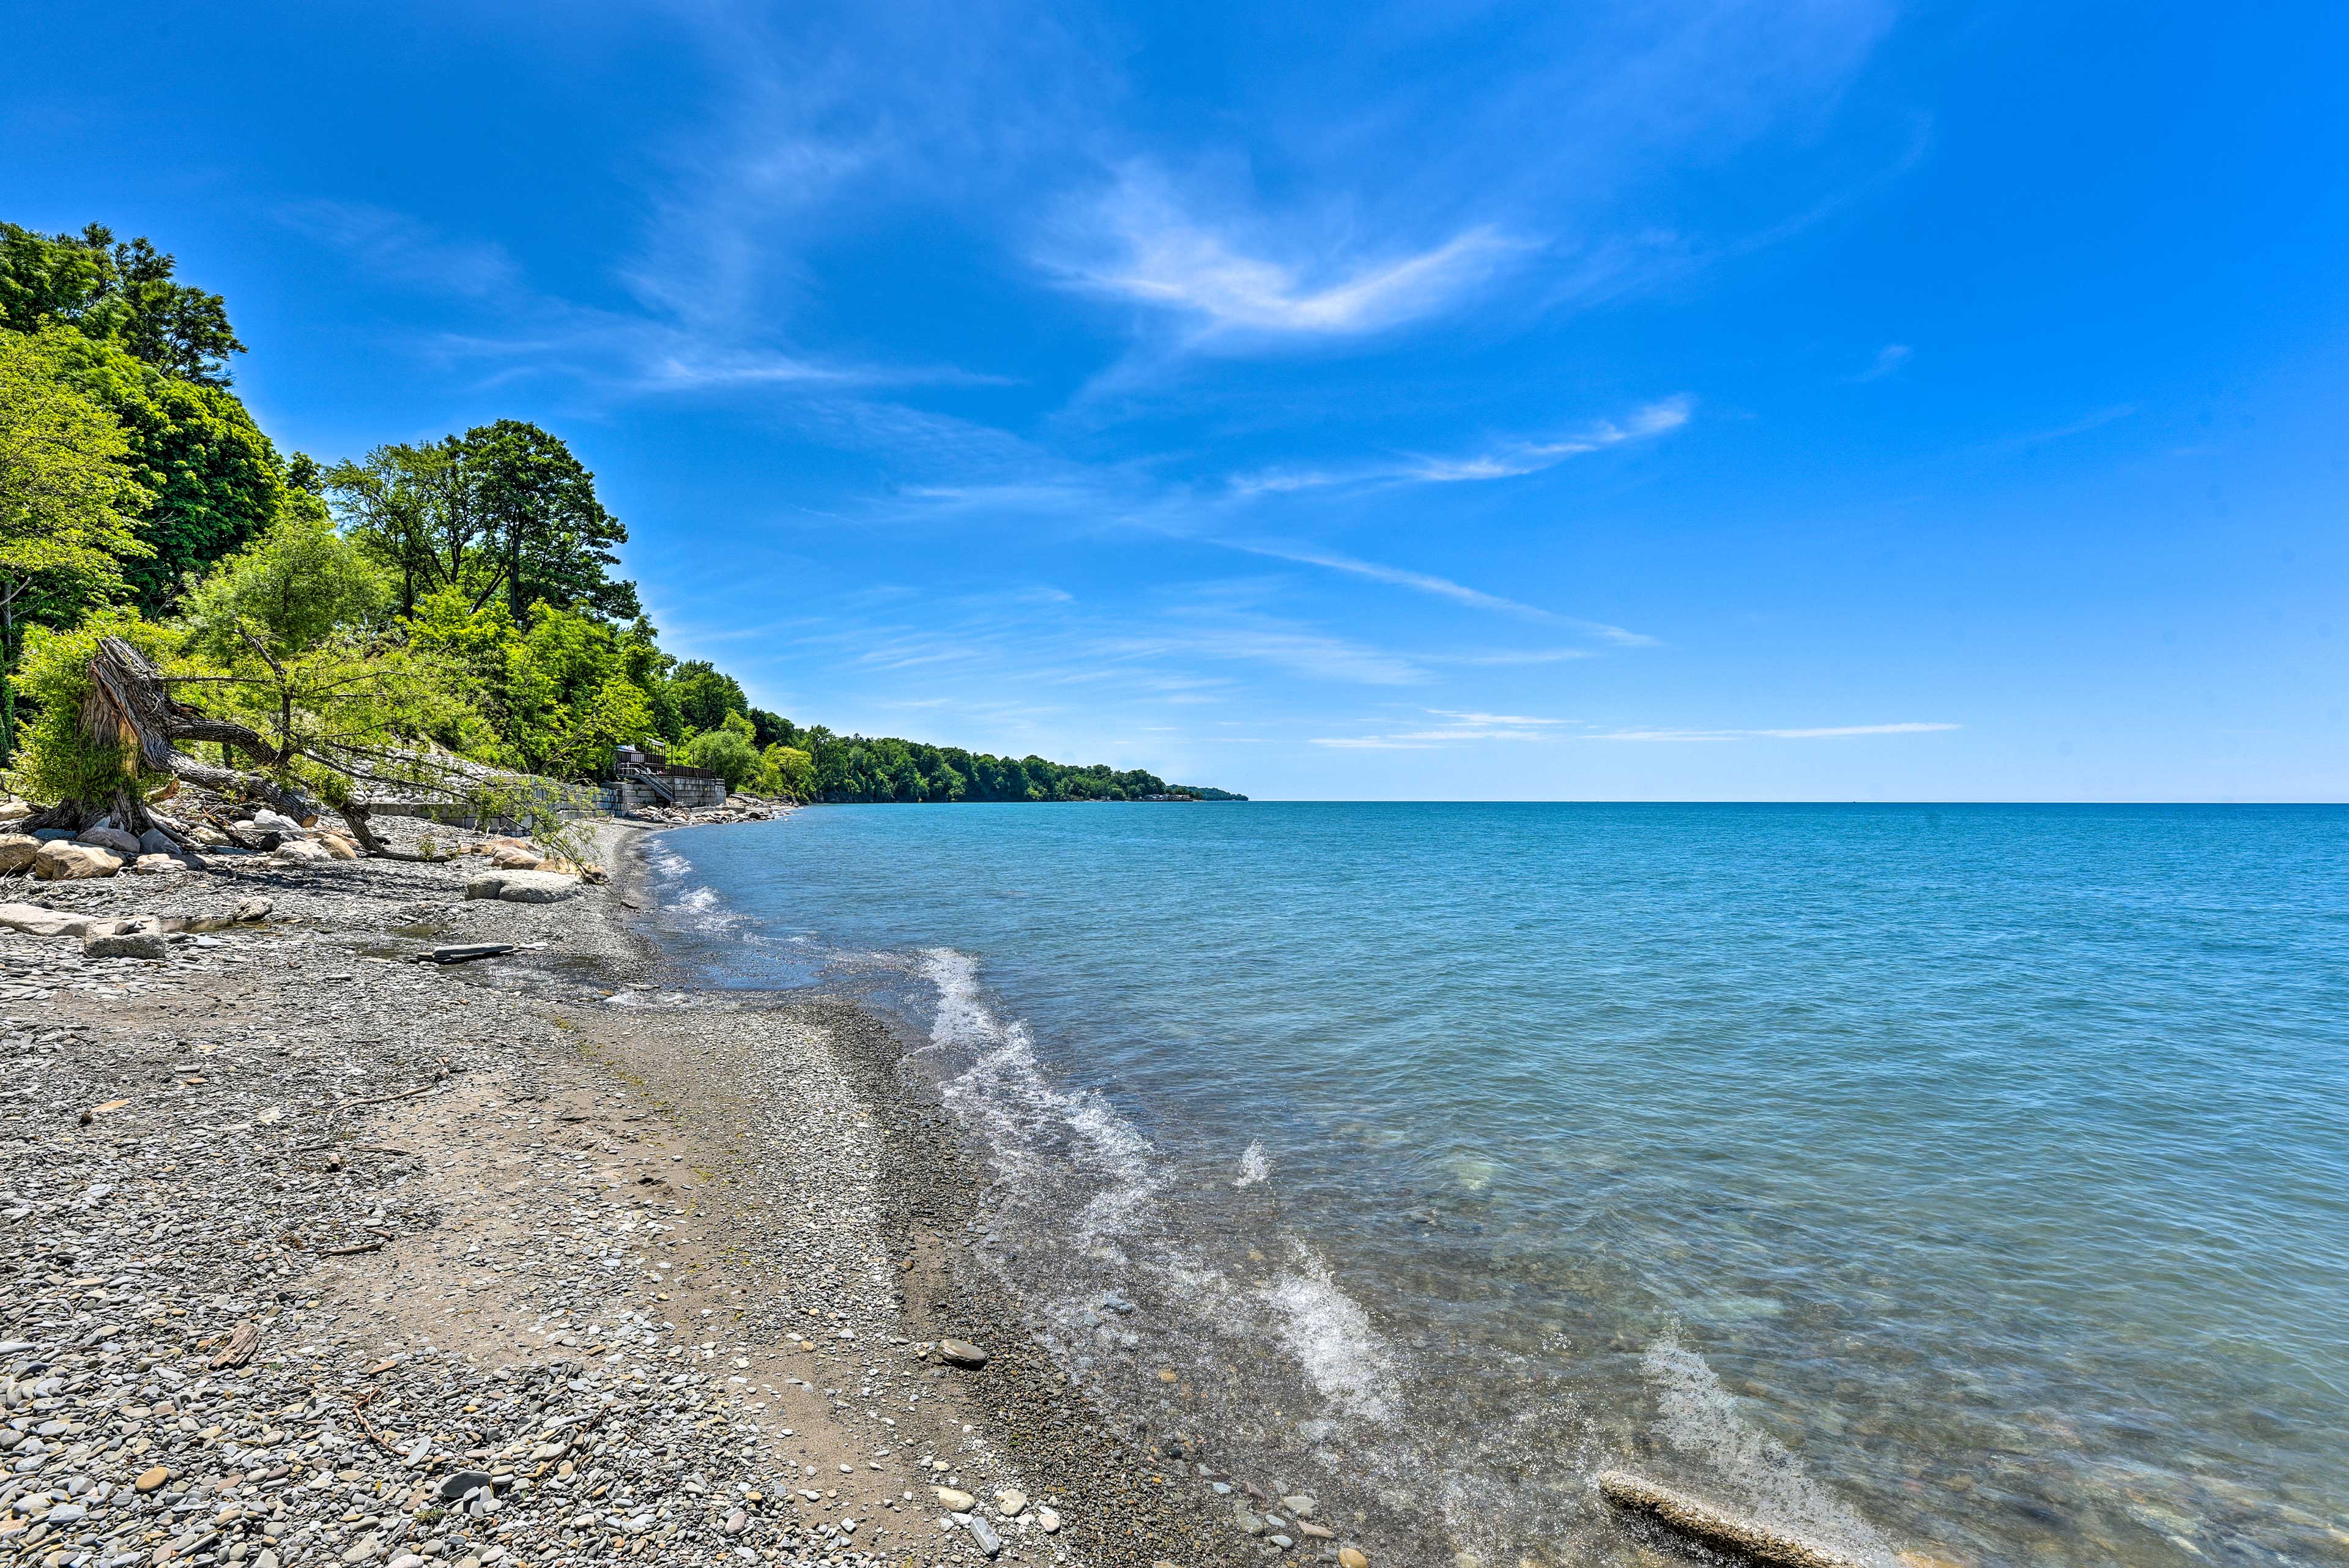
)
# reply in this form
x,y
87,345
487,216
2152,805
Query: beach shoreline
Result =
x,y
547,1258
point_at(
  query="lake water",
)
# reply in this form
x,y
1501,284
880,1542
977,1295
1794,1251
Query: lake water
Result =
x,y
1970,1181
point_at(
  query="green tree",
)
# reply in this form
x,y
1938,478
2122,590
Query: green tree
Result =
x,y
118,292
551,539
556,697
213,479
504,512
66,499
727,753
704,696
58,760
787,771
295,587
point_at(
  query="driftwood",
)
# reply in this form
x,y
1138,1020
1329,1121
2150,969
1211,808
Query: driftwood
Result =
x,y
1715,1528
242,1342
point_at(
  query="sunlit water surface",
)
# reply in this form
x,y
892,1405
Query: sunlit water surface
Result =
x,y
1970,1181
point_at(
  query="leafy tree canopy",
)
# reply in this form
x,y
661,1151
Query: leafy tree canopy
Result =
x,y
298,586
504,512
118,292
213,479
67,498
705,696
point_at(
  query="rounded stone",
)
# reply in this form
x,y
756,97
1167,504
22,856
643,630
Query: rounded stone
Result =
x,y
458,1482
153,1478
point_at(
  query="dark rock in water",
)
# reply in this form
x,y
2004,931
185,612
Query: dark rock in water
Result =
x,y
962,1353
467,953
460,1482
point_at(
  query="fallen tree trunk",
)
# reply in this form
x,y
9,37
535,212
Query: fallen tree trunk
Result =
x,y
1715,1528
129,707
127,710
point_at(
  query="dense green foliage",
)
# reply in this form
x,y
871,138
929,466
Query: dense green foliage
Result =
x,y
884,769
117,293
454,595
67,498
503,511
213,479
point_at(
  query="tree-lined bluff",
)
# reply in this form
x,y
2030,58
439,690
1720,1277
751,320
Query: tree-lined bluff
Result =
x,y
457,596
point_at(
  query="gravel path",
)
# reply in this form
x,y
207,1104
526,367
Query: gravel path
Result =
x,y
312,1254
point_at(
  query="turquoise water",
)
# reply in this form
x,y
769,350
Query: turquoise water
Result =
x,y
1970,1181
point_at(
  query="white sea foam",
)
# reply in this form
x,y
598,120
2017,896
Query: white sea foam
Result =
x,y
702,909
1005,1094
1699,1419
1255,1167
1331,1336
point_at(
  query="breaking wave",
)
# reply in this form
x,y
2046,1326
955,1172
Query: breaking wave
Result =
x,y
1330,1336
1699,1419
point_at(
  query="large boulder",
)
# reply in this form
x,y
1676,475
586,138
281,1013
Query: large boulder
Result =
x,y
61,862
277,820
155,841
532,888
158,865
16,851
301,852
338,846
35,921
14,810
112,839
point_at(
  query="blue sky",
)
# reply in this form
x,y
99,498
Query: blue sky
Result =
x,y
1672,400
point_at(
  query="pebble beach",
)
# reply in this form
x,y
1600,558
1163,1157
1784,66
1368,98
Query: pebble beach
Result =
x,y
314,1250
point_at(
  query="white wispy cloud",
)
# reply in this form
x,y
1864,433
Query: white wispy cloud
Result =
x,y
1507,460
1399,576
1471,728
396,248
1888,358
526,331
1458,728
1823,732
1509,721
2007,446
1140,241
1440,587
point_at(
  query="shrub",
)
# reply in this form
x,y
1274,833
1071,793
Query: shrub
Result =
x,y
724,753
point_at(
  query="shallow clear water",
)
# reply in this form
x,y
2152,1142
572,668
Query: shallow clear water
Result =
x,y
1966,1181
